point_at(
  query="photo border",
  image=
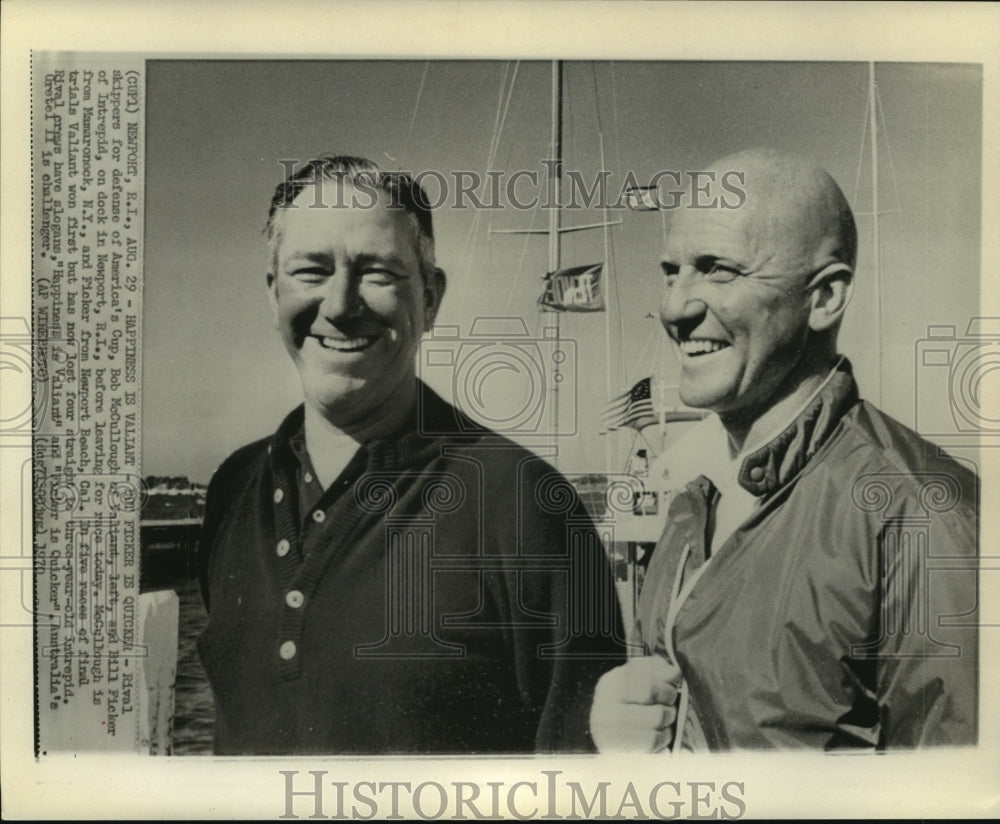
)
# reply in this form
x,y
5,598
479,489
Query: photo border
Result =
x,y
925,784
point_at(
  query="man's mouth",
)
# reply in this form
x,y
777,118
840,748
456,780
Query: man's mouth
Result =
x,y
695,347
356,344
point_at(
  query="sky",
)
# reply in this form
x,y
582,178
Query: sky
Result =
x,y
216,376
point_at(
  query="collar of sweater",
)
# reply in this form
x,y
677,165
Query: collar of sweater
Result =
x,y
431,421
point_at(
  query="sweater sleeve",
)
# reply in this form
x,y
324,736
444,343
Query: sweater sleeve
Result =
x,y
566,574
591,642
221,488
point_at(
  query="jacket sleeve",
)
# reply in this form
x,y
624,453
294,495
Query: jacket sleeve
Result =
x,y
928,634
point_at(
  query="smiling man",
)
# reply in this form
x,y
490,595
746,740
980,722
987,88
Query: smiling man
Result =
x,y
383,575
789,602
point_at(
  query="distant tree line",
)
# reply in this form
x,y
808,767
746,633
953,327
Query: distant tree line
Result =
x,y
171,482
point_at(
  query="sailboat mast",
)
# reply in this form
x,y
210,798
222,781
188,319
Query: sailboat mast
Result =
x,y
876,250
555,186
554,230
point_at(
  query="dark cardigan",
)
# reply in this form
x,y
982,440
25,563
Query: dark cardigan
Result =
x,y
450,596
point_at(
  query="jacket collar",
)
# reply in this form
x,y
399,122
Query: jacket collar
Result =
x,y
769,467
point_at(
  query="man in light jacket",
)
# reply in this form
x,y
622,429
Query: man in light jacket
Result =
x,y
789,602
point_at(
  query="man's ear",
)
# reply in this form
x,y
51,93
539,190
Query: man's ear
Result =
x,y
433,295
830,292
272,294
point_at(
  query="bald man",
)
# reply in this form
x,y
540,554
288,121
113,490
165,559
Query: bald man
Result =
x,y
788,603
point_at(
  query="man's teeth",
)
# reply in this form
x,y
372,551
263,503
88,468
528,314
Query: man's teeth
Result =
x,y
347,344
701,347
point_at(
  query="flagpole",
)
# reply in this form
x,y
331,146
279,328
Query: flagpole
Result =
x,y
554,180
606,294
663,395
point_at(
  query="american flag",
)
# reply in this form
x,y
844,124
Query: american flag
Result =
x,y
631,408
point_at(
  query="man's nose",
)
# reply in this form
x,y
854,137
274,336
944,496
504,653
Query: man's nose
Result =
x,y
681,300
341,297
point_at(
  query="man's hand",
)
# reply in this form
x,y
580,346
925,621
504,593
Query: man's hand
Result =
x,y
634,706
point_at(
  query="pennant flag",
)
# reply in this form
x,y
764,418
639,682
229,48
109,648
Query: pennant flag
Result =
x,y
574,290
642,198
632,408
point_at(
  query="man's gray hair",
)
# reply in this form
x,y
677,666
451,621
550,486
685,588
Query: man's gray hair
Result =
x,y
343,170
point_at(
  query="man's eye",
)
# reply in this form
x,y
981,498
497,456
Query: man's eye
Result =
x,y
380,277
721,273
310,274
670,272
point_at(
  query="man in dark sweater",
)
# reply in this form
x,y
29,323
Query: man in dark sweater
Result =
x,y
383,575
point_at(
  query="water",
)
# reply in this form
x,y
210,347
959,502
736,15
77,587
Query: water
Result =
x,y
194,713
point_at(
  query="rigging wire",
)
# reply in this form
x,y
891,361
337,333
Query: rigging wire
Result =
x,y
861,156
497,116
622,360
645,440
614,351
888,147
614,111
503,119
413,117
520,263
618,302
611,253
465,257
503,105
645,347
597,102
